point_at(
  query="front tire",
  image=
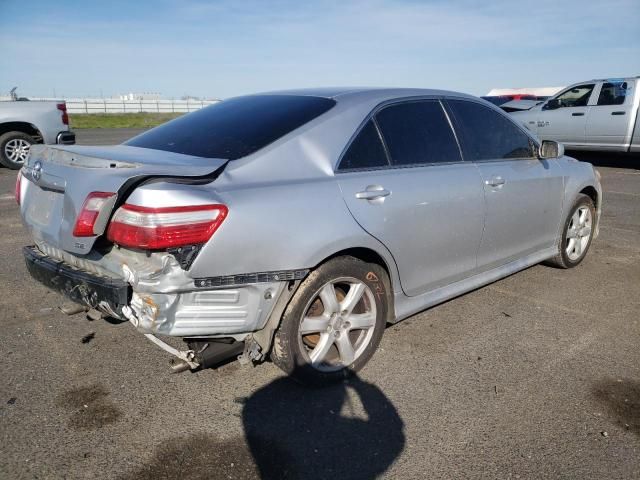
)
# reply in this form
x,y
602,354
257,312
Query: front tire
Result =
x,y
577,234
14,149
334,322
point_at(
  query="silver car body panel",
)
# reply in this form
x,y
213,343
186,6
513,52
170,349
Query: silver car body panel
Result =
x,y
507,236
440,233
447,220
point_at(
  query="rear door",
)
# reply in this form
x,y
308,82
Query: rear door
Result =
x,y
523,194
608,122
405,183
567,123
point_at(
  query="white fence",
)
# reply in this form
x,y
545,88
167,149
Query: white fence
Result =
x,y
92,105
99,105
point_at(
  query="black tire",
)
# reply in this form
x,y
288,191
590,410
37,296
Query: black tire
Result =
x,y
562,258
291,353
5,138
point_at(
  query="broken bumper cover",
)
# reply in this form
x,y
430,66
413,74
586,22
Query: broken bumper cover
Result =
x,y
188,312
226,311
104,293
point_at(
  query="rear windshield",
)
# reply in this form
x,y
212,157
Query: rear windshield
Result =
x,y
234,128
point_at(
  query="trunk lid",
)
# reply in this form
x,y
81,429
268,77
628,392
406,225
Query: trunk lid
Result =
x,y
57,180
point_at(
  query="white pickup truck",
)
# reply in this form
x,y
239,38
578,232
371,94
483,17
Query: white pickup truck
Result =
x,y
23,123
592,115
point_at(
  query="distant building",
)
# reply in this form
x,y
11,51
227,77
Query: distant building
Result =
x,y
140,96
537,91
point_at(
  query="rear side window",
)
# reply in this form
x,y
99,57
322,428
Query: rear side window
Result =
x,y
366,150
418,133
612,93
234,128
488,135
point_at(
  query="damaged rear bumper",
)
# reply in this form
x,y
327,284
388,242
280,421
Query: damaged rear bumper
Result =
x,y
155,294
227,311
103,293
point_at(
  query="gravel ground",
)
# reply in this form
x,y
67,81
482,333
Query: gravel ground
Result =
x,y
535,376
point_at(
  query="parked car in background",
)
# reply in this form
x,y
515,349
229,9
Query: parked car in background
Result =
x,y
296,225
499,100
592,115
24,123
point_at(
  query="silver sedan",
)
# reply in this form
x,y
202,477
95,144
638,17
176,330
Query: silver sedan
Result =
x,y
295,225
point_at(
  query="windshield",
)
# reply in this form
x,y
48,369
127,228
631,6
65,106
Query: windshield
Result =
x,y
234,128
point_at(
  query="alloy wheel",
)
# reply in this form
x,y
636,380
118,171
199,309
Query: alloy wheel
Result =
x,y
17,150
578,233
337,324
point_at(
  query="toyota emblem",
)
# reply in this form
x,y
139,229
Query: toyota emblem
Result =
x,y
36,173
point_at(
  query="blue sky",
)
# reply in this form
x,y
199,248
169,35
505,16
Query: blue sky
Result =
x,y
226,48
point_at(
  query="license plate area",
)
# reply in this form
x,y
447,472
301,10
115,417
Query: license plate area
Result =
x,y
43,206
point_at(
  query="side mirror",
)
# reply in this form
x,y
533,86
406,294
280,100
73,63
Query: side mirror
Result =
x,y
552,104
550,149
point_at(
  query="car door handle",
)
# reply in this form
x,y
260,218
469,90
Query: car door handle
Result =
x,y
577,114
495,182
617,113
373,192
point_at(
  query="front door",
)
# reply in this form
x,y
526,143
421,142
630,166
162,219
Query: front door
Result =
x,y
566,121
523,194
405,183
524,207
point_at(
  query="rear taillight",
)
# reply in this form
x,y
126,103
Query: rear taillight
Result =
x,y
86,221
63,108
165,227
18,187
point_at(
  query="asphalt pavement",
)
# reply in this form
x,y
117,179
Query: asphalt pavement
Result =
x,y
106,136
535,376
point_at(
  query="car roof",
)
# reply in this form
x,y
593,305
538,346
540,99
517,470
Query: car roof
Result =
x,y
381,94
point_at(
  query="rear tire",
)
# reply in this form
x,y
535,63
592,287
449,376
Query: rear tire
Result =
x,y
14,149
334,322
577,234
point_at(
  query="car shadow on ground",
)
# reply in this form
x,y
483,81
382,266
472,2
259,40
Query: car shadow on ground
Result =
x,y
349,430
608,159
621,398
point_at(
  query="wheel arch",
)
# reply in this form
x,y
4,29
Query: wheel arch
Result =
x,y
24,127
265,336
595,194
370,255
592,193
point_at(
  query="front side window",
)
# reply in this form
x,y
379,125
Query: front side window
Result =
x,y
612,93
234,128
487,134
417,133
576,96
366,150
